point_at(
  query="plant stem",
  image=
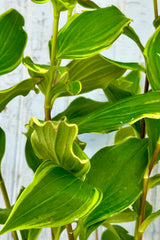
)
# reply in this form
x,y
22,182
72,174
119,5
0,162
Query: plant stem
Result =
x,y
96,234
70,13
70,231
52,234
55,35
6,200
145,187
155,8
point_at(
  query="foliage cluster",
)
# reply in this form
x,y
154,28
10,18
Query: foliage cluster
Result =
x,y
68,187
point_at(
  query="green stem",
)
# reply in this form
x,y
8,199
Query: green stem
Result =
x,y
155,8
145,188
55,35
6,200
70,232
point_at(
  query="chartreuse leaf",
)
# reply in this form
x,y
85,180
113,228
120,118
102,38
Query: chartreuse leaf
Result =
x,y
148,220
77,39
88,4
40,1
22,88
12,40
124,134
152,55
126,216
2,144
99,72
56,142
54,198
123,184
116,233
112,116
33,234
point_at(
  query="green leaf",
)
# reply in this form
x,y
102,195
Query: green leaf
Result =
x,y
154,181
110,117
124,86
12,40
126,216
64,5
124,134
148,220
88,4
22,88
126,111
74,88
53,80
40,1
77,39
156,22
152,55
99,72
81,106
4,213
116,233
2,144
123,184
33,234
32,160
129,32
153,132
56,142
54,198
137,205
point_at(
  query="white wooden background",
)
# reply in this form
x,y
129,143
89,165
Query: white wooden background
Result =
x,y
39,28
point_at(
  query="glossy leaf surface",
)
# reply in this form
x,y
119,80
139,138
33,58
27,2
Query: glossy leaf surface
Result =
x,y
90,33
152,54
81,106
22,88
124,134
12,40
56,142
112,116
116,233
98,72
122,184
54,198
2,144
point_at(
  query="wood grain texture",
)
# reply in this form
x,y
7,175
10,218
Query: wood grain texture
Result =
x,y
19,111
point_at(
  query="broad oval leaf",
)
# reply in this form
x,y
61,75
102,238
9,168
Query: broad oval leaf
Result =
x,y
110,117
56,142
22,88
12,40
123,174
54,198
126,216
98,71
152,55
124,134
2,144
90,33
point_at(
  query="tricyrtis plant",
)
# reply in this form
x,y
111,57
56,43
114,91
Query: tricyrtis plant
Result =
x,y
68,187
